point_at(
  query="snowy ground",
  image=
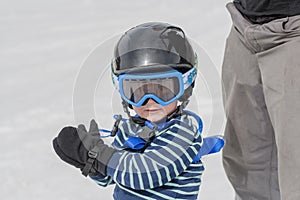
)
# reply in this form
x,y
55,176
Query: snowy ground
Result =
x,y
43,44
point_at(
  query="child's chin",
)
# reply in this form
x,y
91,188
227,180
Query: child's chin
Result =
x,y
155,118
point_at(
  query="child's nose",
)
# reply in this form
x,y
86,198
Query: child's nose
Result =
x,y
149,101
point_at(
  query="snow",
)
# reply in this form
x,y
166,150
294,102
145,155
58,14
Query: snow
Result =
x,y
44,45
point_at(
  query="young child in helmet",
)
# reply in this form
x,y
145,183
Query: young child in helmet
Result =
x,y
155,153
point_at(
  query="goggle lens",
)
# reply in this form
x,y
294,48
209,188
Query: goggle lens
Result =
x,y
163,88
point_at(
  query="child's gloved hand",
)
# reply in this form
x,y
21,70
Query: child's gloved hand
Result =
x,y
82,149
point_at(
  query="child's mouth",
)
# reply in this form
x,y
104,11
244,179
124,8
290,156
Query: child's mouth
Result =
x,y
152,109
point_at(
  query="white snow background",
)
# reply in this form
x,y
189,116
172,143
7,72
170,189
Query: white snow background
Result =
x,y
42,47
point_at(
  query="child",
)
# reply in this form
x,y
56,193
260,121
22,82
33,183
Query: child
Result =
x,y
154,153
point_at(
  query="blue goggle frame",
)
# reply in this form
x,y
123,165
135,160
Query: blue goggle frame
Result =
x,y
184,80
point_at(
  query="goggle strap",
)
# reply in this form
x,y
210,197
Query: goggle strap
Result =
x,y
115,80
189,77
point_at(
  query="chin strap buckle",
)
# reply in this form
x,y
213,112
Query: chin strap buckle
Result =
x,y
116,126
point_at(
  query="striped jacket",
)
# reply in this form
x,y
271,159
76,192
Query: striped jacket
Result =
x,y
164,170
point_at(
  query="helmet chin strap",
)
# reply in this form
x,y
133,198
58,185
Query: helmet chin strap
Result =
x,y
125,108
141,121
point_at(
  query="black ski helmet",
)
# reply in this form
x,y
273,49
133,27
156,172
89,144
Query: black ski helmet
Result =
x,y
154,44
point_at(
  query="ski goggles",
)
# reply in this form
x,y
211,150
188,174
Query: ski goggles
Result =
x,y
164,88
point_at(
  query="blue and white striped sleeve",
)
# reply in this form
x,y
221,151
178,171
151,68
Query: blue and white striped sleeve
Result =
x,y
169,154
102,180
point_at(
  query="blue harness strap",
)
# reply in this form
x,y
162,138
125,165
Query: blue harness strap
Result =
x,y
135,143
212,144
199,120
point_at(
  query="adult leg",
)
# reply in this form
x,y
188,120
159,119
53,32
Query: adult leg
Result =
x,y
250,154
279,62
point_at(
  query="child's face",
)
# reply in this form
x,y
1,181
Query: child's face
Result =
x,y
153,111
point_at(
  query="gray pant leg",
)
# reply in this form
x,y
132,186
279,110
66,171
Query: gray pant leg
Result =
x,y
269,56
279,62
250,154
